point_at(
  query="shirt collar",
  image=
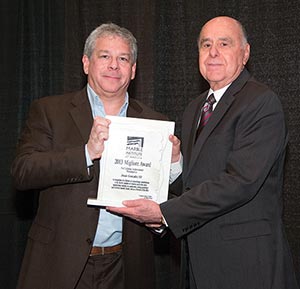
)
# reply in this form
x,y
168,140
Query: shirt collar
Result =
x,y
97,104
218,93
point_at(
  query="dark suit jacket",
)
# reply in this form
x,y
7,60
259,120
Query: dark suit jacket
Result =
x,y
51,157
231,208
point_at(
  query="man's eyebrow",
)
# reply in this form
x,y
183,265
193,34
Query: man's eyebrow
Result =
x,y
205,39
229,39
107,51
125,53
102,51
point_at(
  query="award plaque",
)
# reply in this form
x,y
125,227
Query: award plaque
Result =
x,y
135,162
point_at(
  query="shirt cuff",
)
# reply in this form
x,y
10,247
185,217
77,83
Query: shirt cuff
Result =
x,y
163,226
89,162
176,169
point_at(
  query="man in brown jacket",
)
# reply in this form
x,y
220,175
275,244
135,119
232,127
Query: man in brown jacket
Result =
x,y
71,245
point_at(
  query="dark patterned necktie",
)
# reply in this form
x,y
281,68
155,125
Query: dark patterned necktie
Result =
x,y
206,112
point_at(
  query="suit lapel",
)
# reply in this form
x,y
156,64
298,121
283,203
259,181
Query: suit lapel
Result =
x,y
82,113
83,118
217,115
194,117
220,110
134,109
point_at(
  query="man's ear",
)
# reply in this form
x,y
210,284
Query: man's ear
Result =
x,y
85,64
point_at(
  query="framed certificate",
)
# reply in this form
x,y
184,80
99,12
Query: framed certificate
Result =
x,y
135,162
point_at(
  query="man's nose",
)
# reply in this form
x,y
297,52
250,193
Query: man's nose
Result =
x,y
113,64
213,51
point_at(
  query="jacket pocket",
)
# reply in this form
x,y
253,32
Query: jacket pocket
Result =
x,y
245,230
41,233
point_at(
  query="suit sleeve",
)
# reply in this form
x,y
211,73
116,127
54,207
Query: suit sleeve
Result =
x,y
259,140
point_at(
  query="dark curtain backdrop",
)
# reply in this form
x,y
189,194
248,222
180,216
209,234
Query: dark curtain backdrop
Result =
x,y
41,49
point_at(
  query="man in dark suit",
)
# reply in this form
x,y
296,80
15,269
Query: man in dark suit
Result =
x,y
71,245
230,207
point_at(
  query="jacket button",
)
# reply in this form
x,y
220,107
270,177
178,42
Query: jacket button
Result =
x,y
89,241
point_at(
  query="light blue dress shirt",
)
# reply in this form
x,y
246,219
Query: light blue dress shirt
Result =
x,y
109,229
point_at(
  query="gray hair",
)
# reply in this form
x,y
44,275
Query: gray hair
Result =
x,y
244,33
110,29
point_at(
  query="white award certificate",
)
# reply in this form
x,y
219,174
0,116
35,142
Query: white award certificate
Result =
x,y
135,162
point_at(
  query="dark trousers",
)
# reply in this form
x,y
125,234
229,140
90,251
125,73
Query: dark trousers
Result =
x,y
103,272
